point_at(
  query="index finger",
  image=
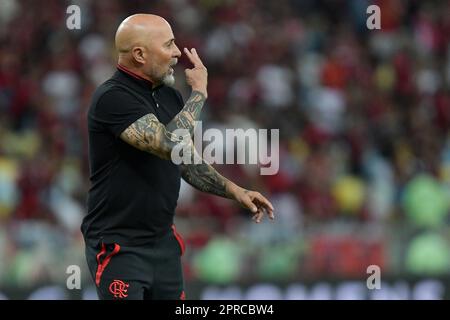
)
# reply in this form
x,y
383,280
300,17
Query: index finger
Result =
x,y
266,204
197,57
193,57
263,200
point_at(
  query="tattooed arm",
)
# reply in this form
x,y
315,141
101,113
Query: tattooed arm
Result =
x,y
148,134
186,118
205,178
197,78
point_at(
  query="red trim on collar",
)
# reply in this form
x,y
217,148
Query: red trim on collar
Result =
x,y
131,73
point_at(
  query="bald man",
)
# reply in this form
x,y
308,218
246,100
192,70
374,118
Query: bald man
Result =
x,y
132,247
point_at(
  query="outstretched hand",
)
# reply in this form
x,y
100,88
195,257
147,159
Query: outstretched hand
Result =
x,y
256,203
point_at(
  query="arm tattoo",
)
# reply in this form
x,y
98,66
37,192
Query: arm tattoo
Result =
x,y
186,118
148,134
205,178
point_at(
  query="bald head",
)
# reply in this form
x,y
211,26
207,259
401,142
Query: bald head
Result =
x,y
138,29
146,45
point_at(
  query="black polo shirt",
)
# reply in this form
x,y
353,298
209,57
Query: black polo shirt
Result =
x,y
133,193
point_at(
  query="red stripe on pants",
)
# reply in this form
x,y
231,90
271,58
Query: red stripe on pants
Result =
x,y
102,265
179,239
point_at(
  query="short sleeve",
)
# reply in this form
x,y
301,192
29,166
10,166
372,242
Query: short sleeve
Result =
x,y
116,110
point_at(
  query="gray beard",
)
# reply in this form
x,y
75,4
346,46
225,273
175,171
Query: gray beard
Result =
x,y
168,80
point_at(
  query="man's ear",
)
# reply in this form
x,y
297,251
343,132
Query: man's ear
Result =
x,y
139,54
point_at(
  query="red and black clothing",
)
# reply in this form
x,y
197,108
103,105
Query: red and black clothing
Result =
x,y
133,195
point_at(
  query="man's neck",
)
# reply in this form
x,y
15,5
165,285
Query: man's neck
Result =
x,y
136,72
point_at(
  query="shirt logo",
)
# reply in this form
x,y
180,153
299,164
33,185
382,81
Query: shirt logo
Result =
x,y
119,289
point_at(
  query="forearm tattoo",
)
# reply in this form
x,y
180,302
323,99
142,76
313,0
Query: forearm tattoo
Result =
x,y
205,178
148,134
190,113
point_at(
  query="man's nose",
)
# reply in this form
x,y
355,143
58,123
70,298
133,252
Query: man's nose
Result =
x,y
177,52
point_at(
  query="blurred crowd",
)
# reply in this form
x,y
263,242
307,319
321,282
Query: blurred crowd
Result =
x,y
363,117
